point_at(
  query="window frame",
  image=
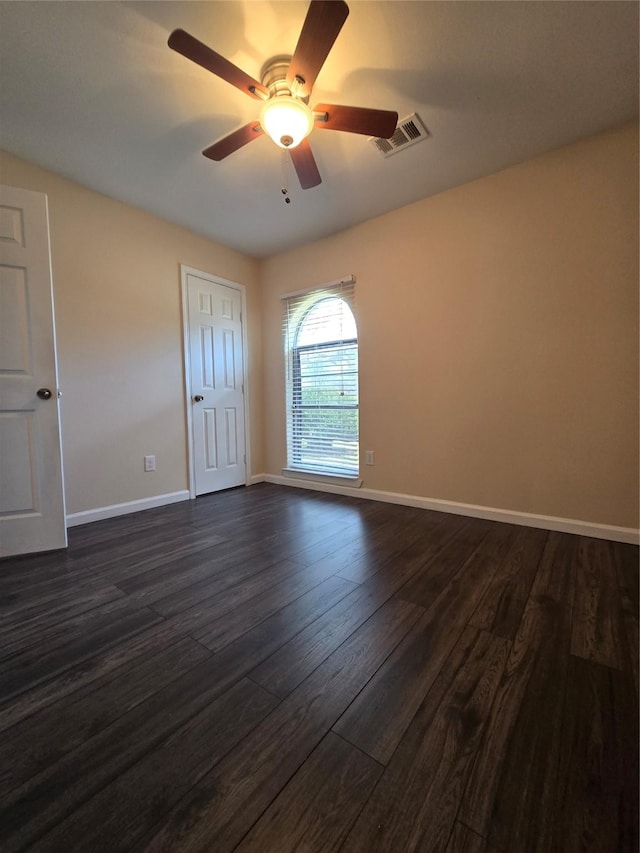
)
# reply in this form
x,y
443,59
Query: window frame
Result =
x,y
295,408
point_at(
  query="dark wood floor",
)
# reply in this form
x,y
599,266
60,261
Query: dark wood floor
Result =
x,y
270,669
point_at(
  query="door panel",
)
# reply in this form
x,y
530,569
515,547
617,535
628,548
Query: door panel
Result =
x,y
32,516
216,375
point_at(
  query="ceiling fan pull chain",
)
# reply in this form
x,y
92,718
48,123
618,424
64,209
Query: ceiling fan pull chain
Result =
x,y
284,190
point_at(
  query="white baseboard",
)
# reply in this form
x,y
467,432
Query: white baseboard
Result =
x,y
545,522
102,512
526,519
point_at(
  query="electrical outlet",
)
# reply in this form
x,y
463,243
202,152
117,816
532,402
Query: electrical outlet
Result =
x,y
369,457
149,463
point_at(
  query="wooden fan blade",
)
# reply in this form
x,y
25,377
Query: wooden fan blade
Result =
x,y
320,29
381,123
221,149
196,51
305,165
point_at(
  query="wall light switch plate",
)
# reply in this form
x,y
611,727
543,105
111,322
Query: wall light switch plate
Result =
x,y
149,463
369,457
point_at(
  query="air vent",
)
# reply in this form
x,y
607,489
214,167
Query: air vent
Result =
x,y
409,131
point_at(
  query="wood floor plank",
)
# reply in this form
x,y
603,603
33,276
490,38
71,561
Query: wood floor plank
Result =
x,y
289,666
352,540
237,584
434,534
463,840
278,629
299,539
597,615
132,549
20,651
208,613
366,565
28,747
501,608
89,539
118,815
448,553
317,807
510,807
31,625
628,576
78,572
379,717
52,602
232,797
596,806
120,563
226,627
87,672
336,544
16,635
158,578
17,573
383,545
414,805
41,664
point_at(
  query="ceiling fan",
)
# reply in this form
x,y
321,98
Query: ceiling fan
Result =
x,y
285,88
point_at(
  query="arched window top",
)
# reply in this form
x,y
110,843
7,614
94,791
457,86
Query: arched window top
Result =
x,y
330,319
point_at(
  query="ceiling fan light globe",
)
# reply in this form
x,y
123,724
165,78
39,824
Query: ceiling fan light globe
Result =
x,y
287,120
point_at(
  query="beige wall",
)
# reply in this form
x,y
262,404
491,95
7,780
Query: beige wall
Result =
x,y
119,327
498,327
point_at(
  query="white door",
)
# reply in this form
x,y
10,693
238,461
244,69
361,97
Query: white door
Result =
x,y
216,379
32,514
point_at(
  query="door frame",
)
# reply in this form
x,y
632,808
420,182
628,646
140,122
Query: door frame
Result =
x,y
185,272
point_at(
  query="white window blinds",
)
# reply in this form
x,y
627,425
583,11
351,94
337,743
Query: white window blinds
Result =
x,y
321,347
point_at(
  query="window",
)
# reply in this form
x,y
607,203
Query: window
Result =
x,y
321,343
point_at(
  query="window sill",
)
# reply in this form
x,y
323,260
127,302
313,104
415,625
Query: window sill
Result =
x,y
314,476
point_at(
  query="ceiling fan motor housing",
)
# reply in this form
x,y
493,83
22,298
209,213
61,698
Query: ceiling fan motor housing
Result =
x,y
274,75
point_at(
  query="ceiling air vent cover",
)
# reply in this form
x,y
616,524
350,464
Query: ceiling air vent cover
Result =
x,y
409,131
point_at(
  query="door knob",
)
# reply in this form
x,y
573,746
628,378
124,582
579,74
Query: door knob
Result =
x,y
198,398
44,393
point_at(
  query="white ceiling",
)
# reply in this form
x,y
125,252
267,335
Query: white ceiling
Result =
x,y
91,91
